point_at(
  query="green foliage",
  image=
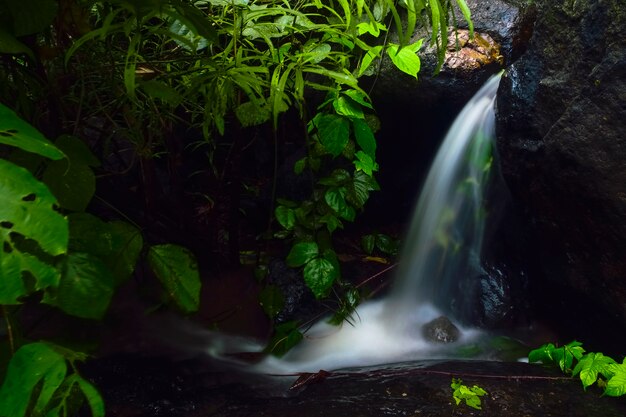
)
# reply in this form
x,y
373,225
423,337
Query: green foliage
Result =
x,y
463,393
379,241
176,268
286,336
221,64
38,383
590,367
563,356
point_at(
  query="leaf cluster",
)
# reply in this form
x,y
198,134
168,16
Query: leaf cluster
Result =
x,y
50,246
469,395
589,367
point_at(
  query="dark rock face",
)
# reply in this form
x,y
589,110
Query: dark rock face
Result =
x,y
441,330
415,113
562,141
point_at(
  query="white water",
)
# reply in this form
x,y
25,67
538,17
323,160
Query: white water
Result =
x,y
443,248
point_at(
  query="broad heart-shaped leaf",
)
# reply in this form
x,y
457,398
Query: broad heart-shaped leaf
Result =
x,y
406,59
16,132
71,180
177,270
365,163
73,184
616,386
34,364
364,137
26,208
285,216
333,132
591,365
359,189
85,289
301,253
76,150
117,244
319,275
335,197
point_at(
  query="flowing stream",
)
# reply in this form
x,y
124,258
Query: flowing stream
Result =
x,y
443,248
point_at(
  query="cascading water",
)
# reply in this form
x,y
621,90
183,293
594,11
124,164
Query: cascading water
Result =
x,y
443,248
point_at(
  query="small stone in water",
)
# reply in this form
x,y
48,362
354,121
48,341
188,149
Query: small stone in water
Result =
x,y
441,330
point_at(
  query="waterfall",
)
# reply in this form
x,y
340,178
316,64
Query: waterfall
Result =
x,y
443,246
442,249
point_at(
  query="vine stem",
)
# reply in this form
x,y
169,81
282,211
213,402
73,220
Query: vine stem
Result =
x,y
5,313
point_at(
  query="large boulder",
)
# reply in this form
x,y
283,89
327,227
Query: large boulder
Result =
x,y
562,141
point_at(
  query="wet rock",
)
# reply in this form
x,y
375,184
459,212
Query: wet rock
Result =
x,y
441,330
561,138
500,297
502,29
299,301
133,387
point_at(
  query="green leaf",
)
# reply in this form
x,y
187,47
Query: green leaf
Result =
x,y
360,188
76,150
335,197
345,106
365,163
319,275
93,397
117,244
616,386
27,209
368,58
467,15
31,16
302,253
367,243
10,45
406,59
541,354
272,300
286,217
364,137
333,132
359,96
33,365
73,184
590,365
85,289
177,270
331,221
563,356
471,396
386,244
286,336
16,132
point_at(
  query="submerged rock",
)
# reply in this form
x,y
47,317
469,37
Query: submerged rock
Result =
x,y
441,330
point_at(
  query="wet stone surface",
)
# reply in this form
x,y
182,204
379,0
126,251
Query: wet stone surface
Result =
x,y
134,386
